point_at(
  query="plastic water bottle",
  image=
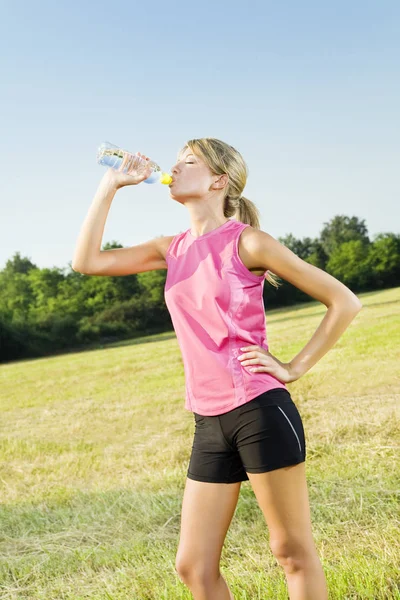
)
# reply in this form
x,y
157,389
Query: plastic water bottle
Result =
x,y
112,156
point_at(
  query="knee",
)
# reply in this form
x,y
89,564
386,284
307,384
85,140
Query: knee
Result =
x,y
200,573
292,554
183,570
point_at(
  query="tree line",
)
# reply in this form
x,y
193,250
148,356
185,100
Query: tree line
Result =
x,y
47,311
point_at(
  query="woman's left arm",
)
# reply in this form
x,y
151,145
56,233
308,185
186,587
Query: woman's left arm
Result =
x,y
343,305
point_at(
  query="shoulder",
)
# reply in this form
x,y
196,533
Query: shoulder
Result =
x,y
264,250
252,246
261,249
268,252
253,237
164,242
259,243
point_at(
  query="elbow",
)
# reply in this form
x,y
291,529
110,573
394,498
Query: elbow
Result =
x,y
78,268
75,263
349,303
357,303
353,304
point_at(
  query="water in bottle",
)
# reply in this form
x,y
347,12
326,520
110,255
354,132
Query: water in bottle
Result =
x,y
112,156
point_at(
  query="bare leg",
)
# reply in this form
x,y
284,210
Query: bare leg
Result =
x,y
211,590
207,511
282,495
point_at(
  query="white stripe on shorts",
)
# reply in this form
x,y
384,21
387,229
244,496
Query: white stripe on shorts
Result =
x,y
294,431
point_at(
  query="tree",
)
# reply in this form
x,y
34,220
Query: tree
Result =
x,y
384,260
18,264
302,248
44,285
343,229
15,296
348,263
308,249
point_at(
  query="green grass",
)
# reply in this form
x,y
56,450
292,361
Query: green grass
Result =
x,y
94,448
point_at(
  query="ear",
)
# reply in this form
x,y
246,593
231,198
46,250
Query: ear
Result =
x,y
220,182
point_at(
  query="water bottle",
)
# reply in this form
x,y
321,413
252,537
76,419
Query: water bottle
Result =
x,y
112,156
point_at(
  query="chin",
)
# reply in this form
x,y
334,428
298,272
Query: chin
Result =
x,y
176,198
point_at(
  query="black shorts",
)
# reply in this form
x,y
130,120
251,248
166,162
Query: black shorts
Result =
x,y
263,434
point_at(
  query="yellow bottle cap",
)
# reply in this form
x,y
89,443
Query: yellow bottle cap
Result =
x,y
165,178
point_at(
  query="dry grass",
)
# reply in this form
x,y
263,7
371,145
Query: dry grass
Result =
x,y
94,449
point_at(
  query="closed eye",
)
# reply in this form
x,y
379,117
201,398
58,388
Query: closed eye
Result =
x,y
189,163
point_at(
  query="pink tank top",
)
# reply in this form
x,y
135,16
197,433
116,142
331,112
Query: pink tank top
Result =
x,y
216,307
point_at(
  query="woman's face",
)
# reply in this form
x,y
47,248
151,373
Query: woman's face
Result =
x,y
191,177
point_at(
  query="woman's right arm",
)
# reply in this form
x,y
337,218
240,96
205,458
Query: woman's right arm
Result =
x,y
89,259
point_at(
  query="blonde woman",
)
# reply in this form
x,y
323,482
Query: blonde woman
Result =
x,y
247,426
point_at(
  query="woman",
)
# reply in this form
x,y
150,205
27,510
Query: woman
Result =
x,y
247,426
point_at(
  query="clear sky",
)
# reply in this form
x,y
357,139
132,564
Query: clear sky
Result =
x,y
308,92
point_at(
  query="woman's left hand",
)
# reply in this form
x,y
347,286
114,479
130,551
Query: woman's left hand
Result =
x,y
260,360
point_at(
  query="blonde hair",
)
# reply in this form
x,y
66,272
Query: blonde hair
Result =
x,y
222,158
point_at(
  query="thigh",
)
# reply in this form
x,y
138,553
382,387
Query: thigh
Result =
x,y
207,511
282,495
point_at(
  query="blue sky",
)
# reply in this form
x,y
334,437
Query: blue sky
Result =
x,y
308,92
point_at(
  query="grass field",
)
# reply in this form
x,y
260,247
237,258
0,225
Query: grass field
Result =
x,y
95,445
